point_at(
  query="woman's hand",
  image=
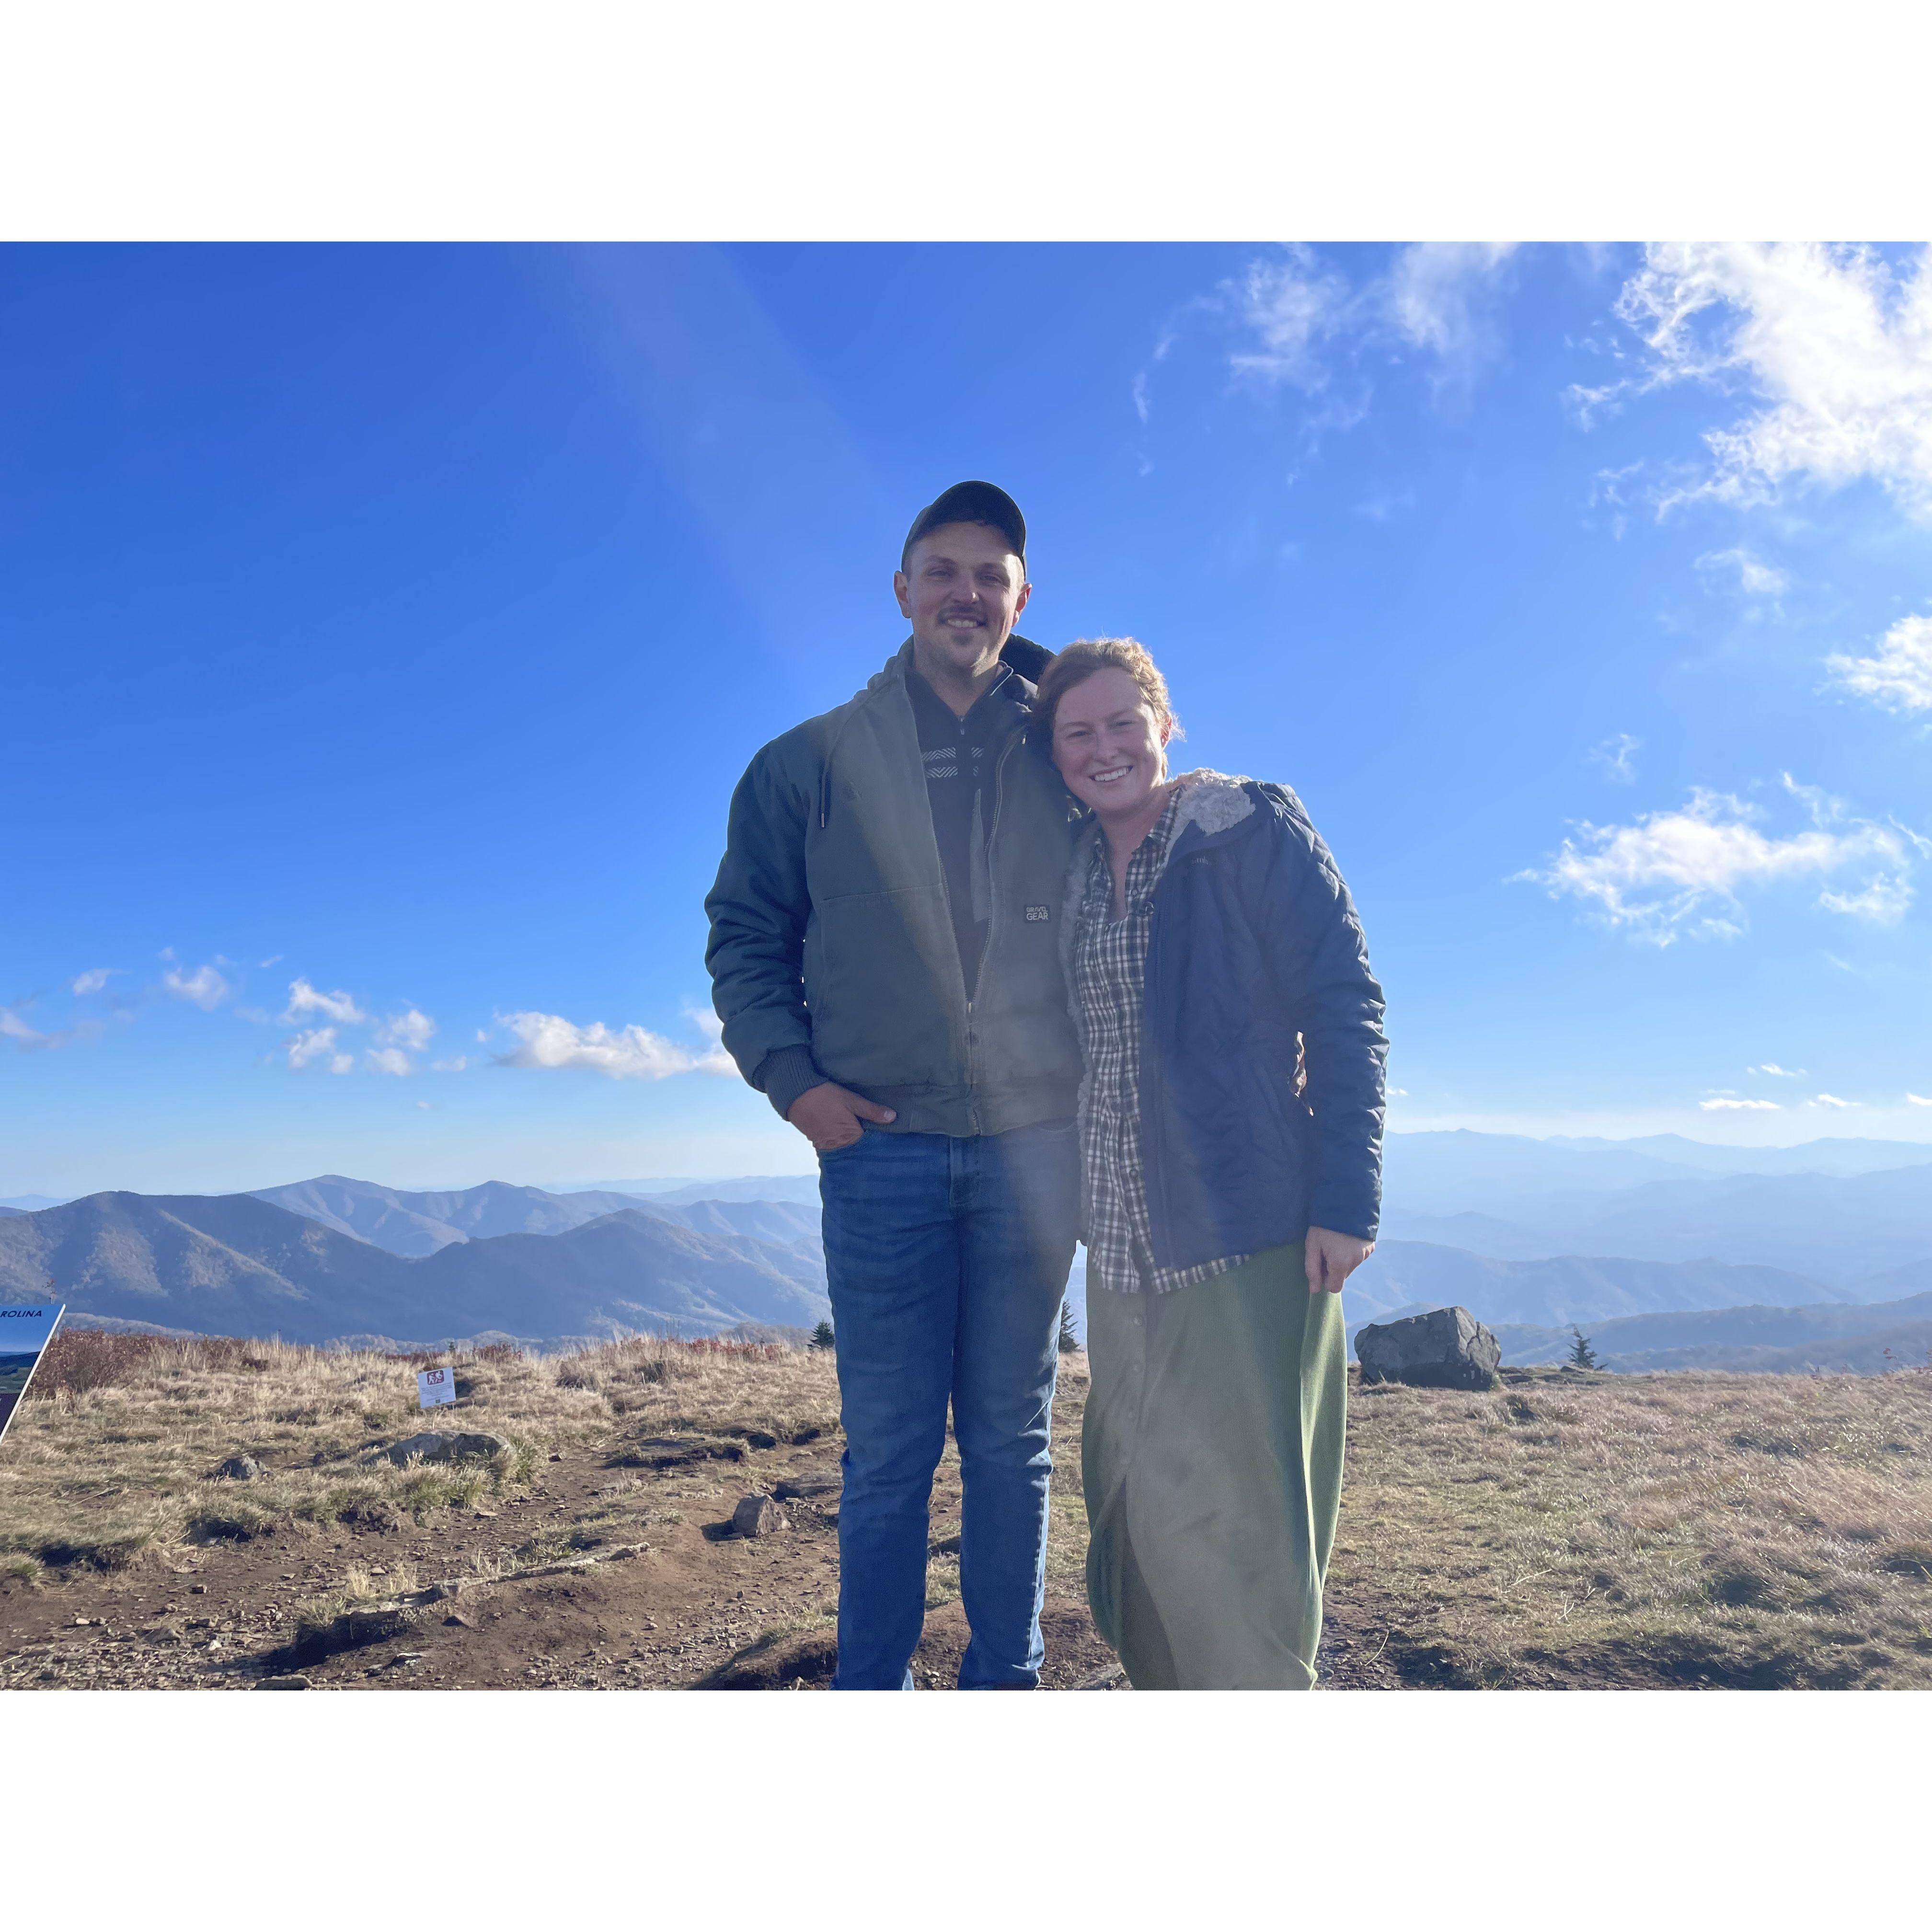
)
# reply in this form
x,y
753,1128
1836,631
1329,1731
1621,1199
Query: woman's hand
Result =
x,y
1333,1258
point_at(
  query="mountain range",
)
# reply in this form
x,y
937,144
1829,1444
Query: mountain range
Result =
x,y
1868,1339
237,1264
1529,1235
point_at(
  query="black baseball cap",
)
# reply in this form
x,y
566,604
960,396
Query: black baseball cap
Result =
x,y
971,503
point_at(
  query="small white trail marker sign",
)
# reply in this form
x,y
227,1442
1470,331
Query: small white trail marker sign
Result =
x,y
434,1386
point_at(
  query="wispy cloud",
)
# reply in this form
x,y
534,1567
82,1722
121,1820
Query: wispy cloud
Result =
x,y
455,1066
1441,297
12,1027
1883,900
1918,1100
1737,569
1830,1100
1668,874
1299,323
317,1047
1898,674
92,981
627,1053
389,1060
204,987
1834,344
339,1007
1723,1102
1616,756
1778,1072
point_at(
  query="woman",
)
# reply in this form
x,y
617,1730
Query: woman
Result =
x,y
1231,1140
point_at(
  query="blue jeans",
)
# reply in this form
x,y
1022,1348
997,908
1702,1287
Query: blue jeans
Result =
x,y
947,1260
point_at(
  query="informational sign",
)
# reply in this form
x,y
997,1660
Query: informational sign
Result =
x,y
434,1386
25,1332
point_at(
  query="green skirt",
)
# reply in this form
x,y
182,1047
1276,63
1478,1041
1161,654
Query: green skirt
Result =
x,y
1211,1455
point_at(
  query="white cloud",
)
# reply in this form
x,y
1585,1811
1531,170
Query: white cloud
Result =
x,y
1721,1102
1830,1100
1917,1100
318,1046
303,998
631,1053
1303,324
1883,899
1290,305
1780,1072
389,1060
411,1030
1671,873
1616,755
12,1026
1440,297
1833,344
1751,576
455,1066
204,987
92,980
1898,675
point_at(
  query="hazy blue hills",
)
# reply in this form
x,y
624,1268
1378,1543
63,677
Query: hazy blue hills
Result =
x,y
1837,1228
1561,1288
236,1264
1868,1339
417,1224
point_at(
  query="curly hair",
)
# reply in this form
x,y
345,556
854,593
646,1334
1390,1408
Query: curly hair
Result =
x,y
1084,656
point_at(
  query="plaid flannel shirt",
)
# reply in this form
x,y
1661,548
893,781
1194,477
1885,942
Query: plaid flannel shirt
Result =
x,y
1109,966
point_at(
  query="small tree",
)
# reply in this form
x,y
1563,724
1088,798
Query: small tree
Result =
x,y
1070,1342
1582,1355
821,1336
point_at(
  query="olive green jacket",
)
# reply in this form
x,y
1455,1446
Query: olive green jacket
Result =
x,y
832,954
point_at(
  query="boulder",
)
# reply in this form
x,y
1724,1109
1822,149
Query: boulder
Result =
x,y
433,1446
1447,1348
757,1516
239,1469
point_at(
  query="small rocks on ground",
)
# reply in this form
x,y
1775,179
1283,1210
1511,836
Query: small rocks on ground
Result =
x,y
239,1469
290,1683
757,1516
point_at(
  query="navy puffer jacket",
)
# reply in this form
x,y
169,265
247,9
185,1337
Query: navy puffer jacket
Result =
x,y
1262,1052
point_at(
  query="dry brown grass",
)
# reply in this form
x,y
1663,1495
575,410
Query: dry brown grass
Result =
x,y
1566,1530
1766,1531
112,1456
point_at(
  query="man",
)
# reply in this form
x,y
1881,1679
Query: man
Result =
x,y
884,955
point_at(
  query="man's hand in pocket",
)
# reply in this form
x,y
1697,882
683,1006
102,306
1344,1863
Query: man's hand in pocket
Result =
x,y
830,1116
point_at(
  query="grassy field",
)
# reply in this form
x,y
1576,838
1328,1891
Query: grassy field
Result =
x,y
1565,1531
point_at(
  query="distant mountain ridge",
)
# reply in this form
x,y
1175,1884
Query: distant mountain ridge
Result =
x,y
1408,1275
238,1265
1867,1340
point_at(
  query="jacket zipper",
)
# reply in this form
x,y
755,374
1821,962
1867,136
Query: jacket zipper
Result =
x,y
992,919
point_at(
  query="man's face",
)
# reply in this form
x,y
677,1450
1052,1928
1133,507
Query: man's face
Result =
x,y
963,588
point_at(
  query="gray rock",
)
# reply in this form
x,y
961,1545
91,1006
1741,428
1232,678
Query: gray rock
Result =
x,y
293,1683
239,1469
1447,1348
433,1446
802,1486
757,1516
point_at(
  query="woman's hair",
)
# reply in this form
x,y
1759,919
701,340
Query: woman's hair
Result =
x,y
1084,656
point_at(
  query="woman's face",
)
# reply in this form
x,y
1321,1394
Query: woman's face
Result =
x,y
1107,744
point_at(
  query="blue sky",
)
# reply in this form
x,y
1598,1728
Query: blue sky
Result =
x,y
384,629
